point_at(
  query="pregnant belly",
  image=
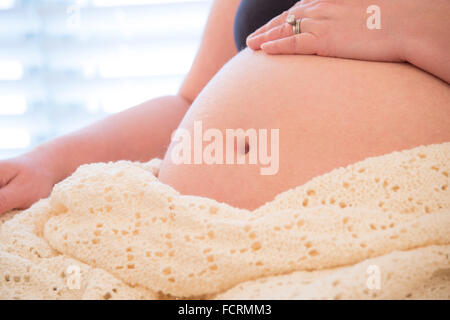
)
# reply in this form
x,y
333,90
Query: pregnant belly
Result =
x,y
328,113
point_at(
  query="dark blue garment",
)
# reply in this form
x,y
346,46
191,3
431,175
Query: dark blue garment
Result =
x,y
252,14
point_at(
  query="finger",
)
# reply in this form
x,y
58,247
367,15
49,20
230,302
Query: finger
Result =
x,y
283,31
279,32
303,43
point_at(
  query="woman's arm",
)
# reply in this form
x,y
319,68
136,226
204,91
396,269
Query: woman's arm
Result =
x,y
216,48
140,133
425,26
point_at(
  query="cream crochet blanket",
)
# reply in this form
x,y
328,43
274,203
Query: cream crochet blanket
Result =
x,y
377,229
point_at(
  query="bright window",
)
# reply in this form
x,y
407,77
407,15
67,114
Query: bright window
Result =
x,y
67,63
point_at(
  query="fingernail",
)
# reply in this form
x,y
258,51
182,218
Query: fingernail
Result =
x,y
249,41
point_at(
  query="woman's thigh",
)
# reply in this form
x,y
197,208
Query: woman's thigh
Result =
x,y
329,113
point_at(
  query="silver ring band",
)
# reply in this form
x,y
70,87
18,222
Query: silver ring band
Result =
x,y
297,27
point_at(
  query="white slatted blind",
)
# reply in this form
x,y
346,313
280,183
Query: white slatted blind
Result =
x,y
64,64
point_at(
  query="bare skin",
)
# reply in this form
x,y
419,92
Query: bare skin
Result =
x,y
336,112
409,30
143,132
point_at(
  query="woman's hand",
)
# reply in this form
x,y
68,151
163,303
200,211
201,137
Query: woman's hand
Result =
x,y
415,31
24,180
334,28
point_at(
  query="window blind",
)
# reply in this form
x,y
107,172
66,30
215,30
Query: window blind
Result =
x,y
65,64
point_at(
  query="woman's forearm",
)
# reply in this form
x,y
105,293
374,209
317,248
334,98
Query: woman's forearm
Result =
x,y
425,28
434,60
138,134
